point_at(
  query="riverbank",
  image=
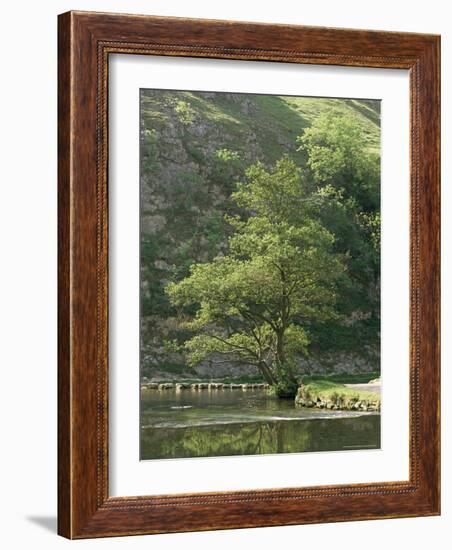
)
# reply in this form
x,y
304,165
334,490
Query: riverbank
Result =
x,y
340,392
326,394
337,392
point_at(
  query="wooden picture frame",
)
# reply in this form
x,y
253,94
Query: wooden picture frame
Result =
x,y
85,508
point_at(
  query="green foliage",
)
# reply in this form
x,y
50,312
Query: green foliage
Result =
x,y
226,155
370,223
171,346
250,302
346,174
337,155
277,194
184,111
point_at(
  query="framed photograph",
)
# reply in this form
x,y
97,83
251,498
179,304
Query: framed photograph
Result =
x,y
248,275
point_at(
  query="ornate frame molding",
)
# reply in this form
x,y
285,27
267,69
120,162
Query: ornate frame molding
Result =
x,y
85,42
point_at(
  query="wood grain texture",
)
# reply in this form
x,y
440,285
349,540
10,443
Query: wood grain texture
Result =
x,y
85,42
64,295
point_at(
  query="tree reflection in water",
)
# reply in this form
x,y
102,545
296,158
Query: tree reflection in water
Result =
x,y
262,437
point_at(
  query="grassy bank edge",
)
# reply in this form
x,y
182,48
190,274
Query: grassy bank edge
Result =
x,y
324,393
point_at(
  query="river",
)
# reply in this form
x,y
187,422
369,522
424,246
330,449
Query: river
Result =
x,y
192,423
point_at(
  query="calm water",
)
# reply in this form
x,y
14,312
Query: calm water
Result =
x,y
234,422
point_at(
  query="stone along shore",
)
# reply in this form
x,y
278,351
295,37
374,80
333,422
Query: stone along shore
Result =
x,y
202,386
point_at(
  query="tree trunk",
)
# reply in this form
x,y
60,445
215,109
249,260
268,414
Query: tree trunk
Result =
x,y
266,373
285,374
280,356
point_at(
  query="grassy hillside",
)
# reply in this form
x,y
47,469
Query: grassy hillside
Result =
x,y
274,121
194,147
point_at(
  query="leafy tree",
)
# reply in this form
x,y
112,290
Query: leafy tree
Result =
x,y
345,174
338,154
280,272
